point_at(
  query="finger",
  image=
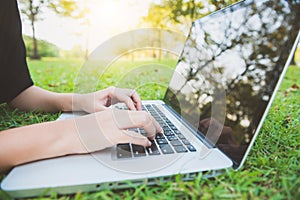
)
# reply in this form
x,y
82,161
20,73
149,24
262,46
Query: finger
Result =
x,y
135,138
136,119
148,126
137,100
129,103
124,95
146,121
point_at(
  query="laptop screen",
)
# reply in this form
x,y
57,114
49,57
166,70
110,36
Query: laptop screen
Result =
x,y
229,68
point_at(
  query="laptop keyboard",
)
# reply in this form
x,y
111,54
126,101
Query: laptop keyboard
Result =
x,y
169,142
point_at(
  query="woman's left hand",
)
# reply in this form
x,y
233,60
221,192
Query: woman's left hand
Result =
x,y
102,99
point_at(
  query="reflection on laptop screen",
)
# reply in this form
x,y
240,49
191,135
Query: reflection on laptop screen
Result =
x,y
232,61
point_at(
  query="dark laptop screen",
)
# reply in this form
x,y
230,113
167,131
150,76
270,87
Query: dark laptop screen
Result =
x,y
229,68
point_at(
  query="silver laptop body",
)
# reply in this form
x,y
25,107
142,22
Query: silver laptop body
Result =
x,y
225,81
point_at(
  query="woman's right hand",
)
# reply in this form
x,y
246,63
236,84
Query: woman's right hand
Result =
x,y
110,127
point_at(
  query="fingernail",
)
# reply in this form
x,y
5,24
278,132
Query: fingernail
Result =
x,y
149,143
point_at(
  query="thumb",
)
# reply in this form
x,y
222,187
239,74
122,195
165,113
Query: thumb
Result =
x,y
136,138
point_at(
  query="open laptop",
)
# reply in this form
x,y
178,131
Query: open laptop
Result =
x,y
231,65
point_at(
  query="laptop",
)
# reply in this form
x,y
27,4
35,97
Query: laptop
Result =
x,y
225,80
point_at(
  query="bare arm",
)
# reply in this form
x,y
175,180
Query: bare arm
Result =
x,y
81,135
36,98
38,141
85,134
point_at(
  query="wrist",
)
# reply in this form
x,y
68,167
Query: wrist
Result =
x,y
69,102
69,142
77,102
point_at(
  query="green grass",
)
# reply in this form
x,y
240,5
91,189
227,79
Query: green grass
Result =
x,y
270,172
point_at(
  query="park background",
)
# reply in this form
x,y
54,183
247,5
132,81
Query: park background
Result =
x,y
60,34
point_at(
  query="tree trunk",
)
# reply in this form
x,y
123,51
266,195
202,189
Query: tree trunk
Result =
x,y
35,54
192,9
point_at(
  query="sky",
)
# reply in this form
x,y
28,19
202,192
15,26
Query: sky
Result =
x,y
107,18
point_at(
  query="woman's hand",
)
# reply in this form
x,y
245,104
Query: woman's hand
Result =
x,y
109,127
84,134
35,98
101,100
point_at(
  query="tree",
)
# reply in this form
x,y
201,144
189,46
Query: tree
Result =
x,y
32,9
157,17
46,49
180,13
167,13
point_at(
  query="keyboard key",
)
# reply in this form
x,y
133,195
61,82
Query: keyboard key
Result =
x,y
123,151
181,136
166,128
153,150
176,143
191,148
172,137
180,149
170,124
160,121
168,133
159,136
138,150
166,149
161,141
143,132
186,142
155,115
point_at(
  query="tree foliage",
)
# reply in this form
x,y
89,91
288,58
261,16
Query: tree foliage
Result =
x,y
46,49
181,13
32,10
67,8
169,13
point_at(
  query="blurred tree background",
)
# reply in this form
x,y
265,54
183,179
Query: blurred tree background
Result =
x,y
180,14
46,49
166,14
33,10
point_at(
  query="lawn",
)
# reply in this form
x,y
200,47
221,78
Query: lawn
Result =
x,y
270,172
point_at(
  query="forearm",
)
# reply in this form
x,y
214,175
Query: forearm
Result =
x,y
35,98
83,134
38,141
